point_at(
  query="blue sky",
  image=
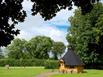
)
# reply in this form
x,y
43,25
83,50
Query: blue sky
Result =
x,y
56,28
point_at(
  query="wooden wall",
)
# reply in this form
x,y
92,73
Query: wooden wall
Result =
x,y
68,69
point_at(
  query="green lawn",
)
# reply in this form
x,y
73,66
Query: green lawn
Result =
x,y
89,73
33,71
21,71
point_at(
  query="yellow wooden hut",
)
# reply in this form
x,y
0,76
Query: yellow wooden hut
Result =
x,y
71,63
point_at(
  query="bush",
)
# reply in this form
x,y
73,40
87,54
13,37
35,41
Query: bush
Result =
x,y
39,62
48,64
51,64
94,66
22,62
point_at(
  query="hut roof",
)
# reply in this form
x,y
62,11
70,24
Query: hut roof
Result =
x,y
70,58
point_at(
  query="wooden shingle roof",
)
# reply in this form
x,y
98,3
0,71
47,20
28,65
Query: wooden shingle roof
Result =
x,y
70,58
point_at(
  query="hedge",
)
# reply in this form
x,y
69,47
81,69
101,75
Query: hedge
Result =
x,y
22,62
48,64
51,64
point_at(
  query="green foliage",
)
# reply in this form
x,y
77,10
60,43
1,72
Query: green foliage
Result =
x,y
16,49
11,12
1,53
58,48
22,62
86,33
39,46
51,64
48,8
48,64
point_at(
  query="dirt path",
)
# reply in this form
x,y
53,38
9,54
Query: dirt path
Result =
x,y
46,74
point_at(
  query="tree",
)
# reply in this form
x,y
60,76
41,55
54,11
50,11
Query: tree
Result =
x,y
58,49
1,53
16,49
48,8
39,47
11,10
86,34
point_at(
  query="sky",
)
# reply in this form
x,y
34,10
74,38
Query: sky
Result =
x,y
56,28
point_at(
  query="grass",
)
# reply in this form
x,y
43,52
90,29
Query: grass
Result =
x,y
89,73
21,71
33,71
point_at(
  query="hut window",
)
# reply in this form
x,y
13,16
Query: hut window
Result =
x,y
71,66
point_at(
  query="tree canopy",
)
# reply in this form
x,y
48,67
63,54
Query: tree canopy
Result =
x,y
58,49
48,8
16,49
1,53
37,47
86,34
12,11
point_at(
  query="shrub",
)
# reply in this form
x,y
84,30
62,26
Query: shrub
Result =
x,y
51,64
22,62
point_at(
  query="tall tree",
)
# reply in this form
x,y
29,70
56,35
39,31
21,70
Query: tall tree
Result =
x,y
48,8
16,49
1,53
58,48
11,13
85,34
39,46
12,10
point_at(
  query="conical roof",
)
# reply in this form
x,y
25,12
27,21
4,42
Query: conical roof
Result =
x,y
70,58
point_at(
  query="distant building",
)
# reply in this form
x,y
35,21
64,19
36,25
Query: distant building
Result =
x,y
70,63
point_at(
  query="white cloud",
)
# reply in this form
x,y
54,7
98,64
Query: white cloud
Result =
x,y
61,19
52,32
64,14
27,4
101,0
35,25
